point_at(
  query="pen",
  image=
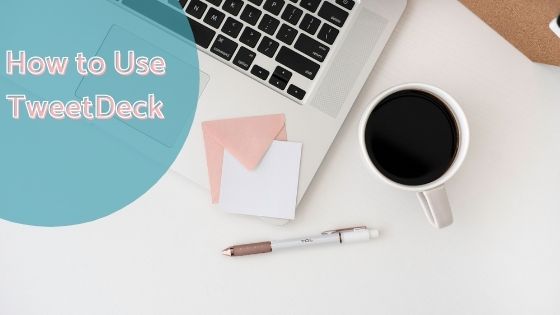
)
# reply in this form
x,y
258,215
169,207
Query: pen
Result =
x,y
340,236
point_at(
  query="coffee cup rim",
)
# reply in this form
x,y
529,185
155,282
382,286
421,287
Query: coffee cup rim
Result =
x,y
456,111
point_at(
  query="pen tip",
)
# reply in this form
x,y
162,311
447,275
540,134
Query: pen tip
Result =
x,y
227,252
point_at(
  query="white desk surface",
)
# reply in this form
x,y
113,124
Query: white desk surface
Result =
x,y
161,255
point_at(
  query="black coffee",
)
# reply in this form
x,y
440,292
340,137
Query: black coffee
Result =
x,y
411,137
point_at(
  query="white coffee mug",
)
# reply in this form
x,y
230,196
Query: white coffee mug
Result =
x,y
432,196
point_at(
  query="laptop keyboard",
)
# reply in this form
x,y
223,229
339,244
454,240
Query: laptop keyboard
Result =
x,y
281,43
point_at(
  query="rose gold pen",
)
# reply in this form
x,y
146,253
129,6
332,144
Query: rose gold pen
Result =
x,y
340,236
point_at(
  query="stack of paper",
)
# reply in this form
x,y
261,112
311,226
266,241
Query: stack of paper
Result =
x,y
252,168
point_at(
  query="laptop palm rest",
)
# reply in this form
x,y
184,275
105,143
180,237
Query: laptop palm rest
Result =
x,y
172,89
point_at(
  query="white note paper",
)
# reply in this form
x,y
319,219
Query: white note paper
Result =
x,y
270,190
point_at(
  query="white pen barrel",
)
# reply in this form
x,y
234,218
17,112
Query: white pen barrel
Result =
x,y
306,241
358,236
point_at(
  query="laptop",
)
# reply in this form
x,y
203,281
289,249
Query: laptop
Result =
x,y
307,59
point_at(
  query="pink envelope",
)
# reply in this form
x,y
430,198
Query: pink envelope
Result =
x,y
246,138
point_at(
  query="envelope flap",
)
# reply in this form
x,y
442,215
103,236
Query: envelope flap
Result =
x,y
247,138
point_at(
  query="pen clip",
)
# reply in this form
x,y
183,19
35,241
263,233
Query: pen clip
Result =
x,y
354,228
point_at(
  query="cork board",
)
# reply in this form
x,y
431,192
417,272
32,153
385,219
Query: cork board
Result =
x,y
524,23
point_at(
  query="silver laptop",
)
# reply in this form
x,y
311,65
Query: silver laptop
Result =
x,y
307,59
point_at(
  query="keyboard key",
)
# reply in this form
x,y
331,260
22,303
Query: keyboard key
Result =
x,y
274,6
196,8
297,62
250,14
327,34
333,14
232,27
233,6
309,24
277,82
224,47
268,47
250,37
244,58
286,34
296,92
282,73
214,18
310,5
292,14
259,72
257,2
311,47
217,3
268,24
347,4
203,35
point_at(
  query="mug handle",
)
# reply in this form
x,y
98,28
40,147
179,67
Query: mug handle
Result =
x,y
436,206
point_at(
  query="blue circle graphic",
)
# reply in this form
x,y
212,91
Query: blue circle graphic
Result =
x,y
120,54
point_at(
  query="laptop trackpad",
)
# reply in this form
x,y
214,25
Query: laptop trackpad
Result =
x,y
177,89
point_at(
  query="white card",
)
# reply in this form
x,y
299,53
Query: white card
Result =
x,y
270,190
